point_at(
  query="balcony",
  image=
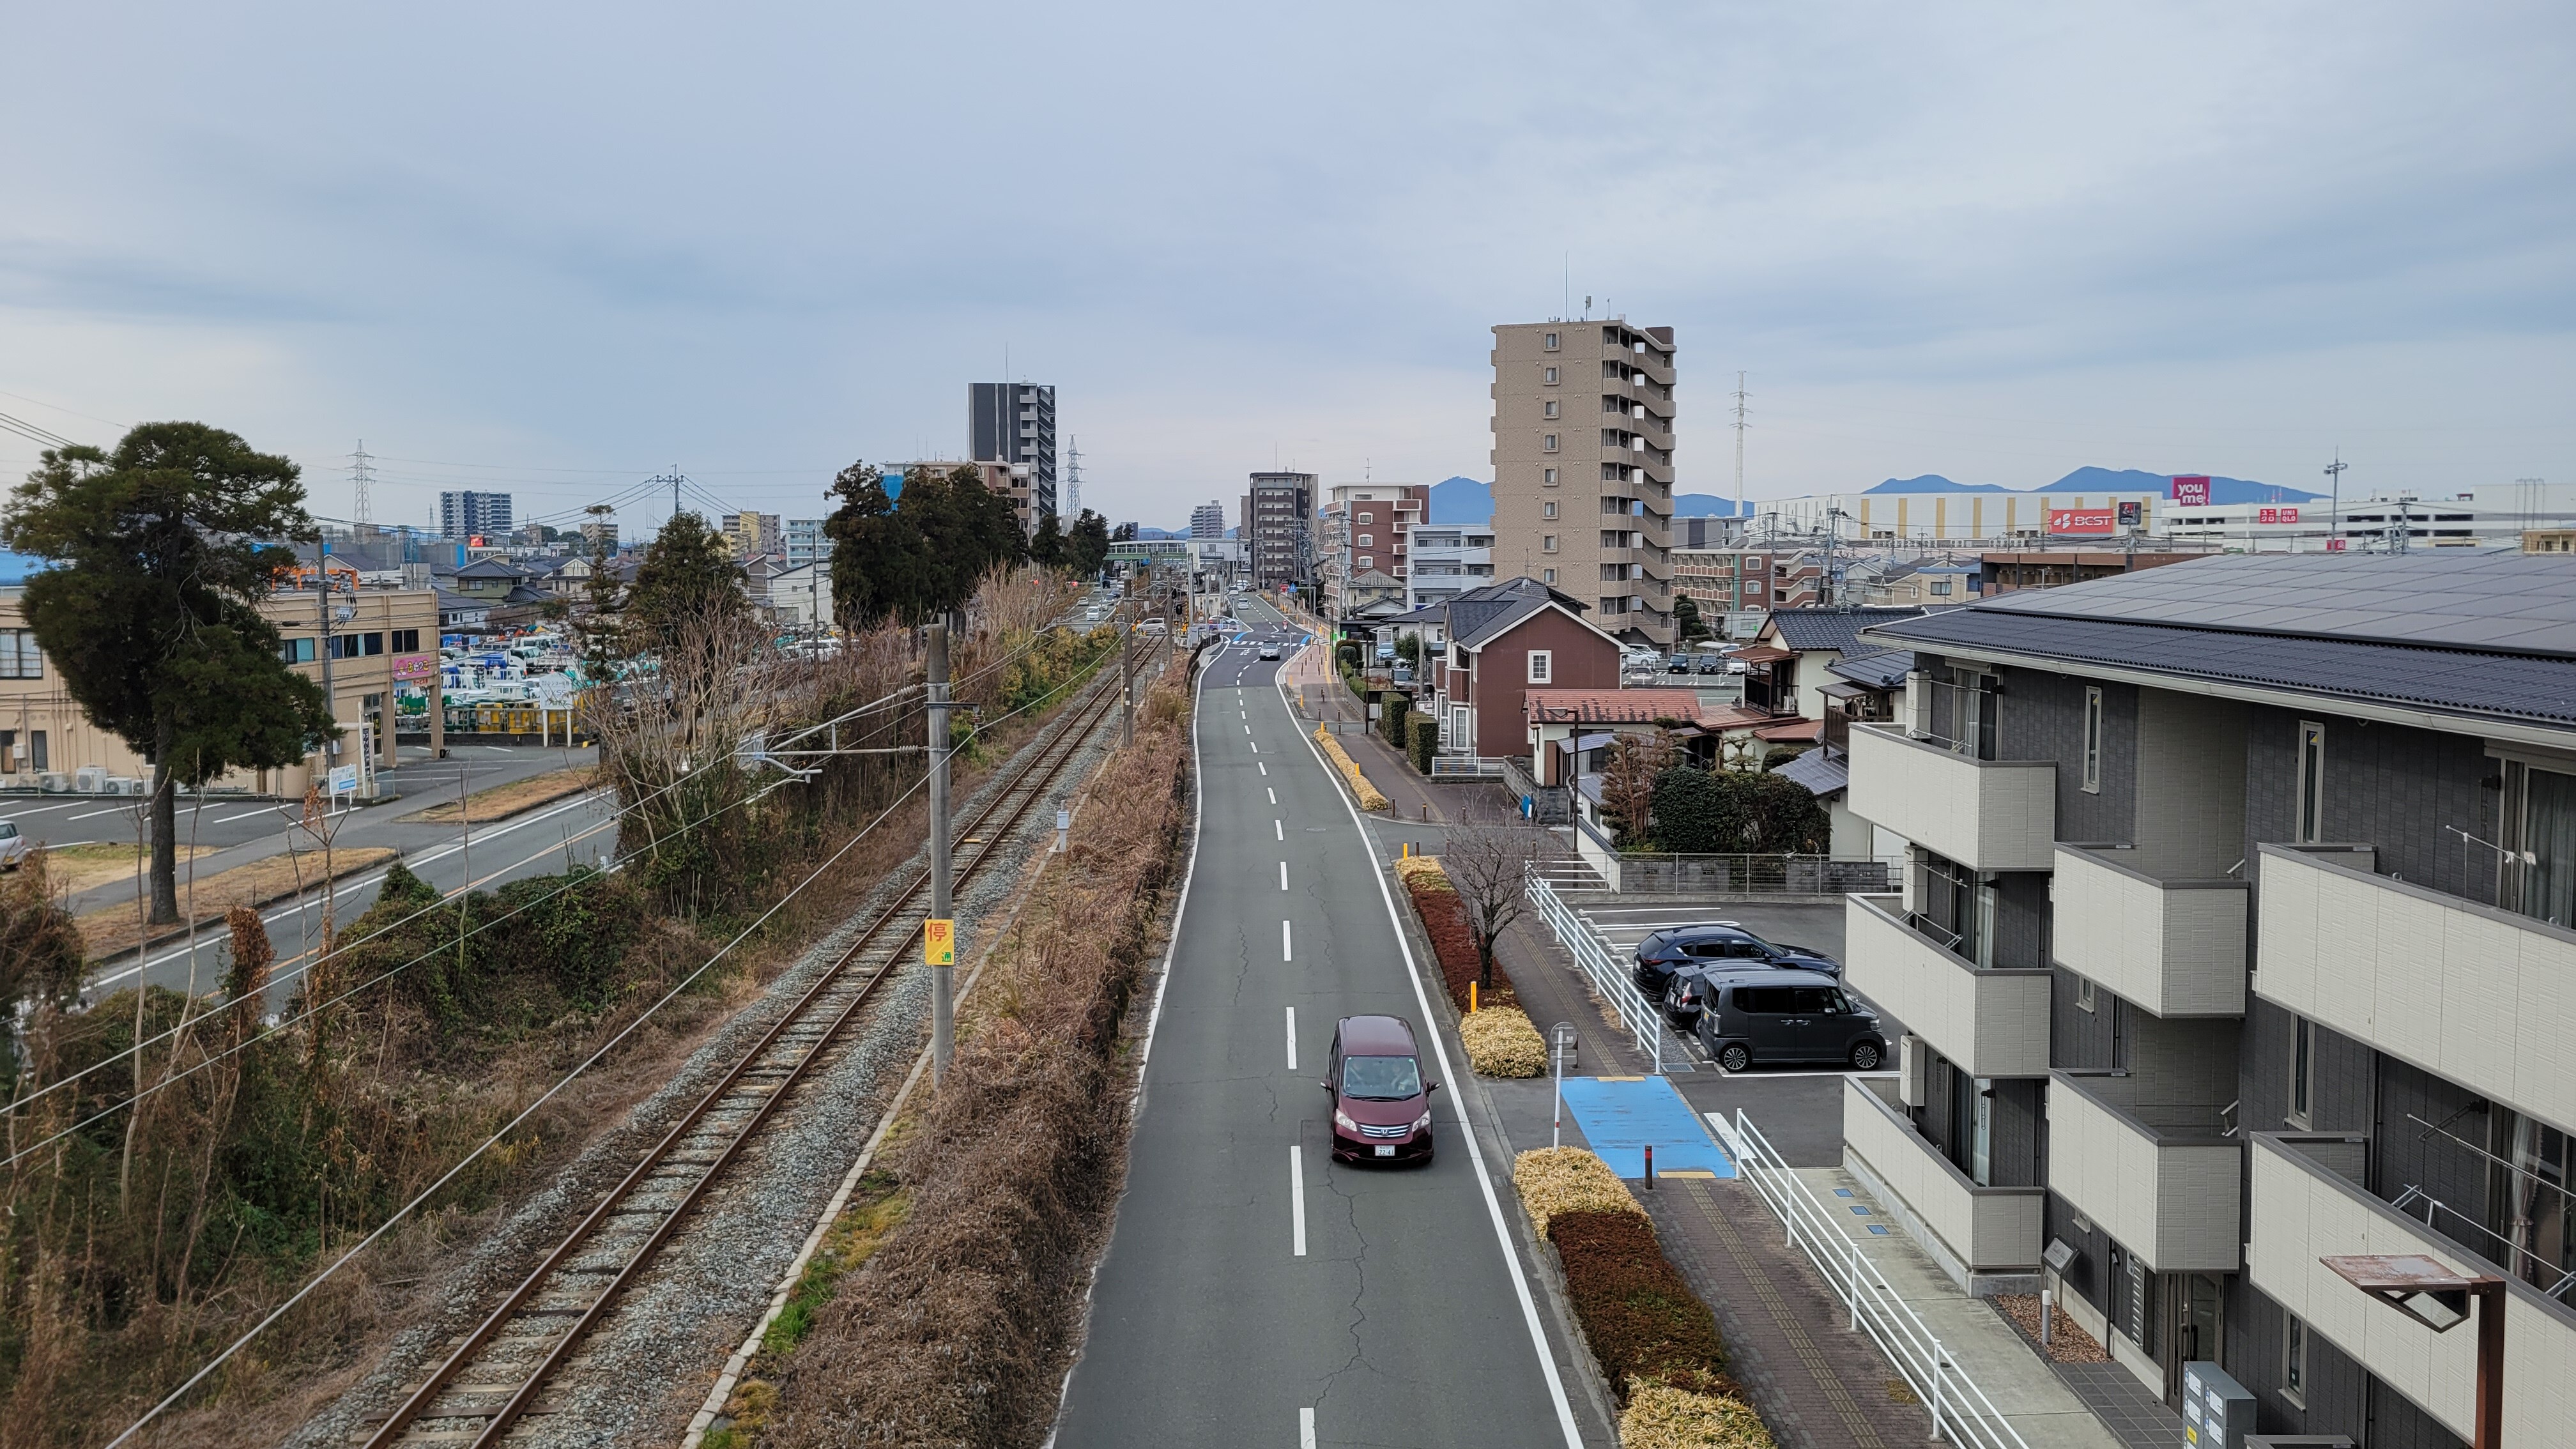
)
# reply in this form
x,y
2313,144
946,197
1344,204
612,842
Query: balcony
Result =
x,y
1984,814
1971,1231
2302,1208
1989,1021
2466,991
2162,1180
2170,945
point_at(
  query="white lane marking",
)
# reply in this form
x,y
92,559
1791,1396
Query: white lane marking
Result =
x,y
1265,769
110,810
1273,794
1286,952
1305,1429
1256,749
1297,1200
1283,875
1292,1038
1247,729
1467,1133
41,809
1280,828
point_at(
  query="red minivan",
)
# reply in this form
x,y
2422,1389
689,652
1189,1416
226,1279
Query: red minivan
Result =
x,y
1381,1104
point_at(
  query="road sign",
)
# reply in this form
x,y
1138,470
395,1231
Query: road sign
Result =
x,y
939,943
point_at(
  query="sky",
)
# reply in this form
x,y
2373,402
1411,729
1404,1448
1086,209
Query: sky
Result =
x,y
560,250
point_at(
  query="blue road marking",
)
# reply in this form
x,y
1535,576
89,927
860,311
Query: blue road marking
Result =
x,y
1620,1118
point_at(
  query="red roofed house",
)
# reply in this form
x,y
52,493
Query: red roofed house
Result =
x,y
1567,725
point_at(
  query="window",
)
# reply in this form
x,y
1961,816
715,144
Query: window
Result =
x,y
36,750
1547,543
1550,443
295,651
2084,994
2312,782
1550,342
2294,1359
1460,723
2303,1073
406,641
1551,377
1547,509
1550,407
1541,663
19,656
1547,576
1548,477
2093,740
1941,590
1364,541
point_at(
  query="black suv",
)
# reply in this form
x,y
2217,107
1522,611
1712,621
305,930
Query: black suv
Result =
x,y
1718,943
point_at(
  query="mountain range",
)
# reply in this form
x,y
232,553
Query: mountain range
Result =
x,y
2108,480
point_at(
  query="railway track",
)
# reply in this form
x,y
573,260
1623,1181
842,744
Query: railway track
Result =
x,y
497,1373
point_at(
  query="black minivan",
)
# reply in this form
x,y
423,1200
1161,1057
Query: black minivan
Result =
x,y
1785,1016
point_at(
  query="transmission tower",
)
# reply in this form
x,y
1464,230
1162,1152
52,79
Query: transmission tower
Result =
x,y
362,482
1073,477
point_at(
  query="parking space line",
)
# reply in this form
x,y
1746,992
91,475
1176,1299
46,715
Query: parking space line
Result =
x,y
110,810
1297,1202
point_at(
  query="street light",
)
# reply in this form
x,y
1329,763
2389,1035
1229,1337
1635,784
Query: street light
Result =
x,y
2431,1294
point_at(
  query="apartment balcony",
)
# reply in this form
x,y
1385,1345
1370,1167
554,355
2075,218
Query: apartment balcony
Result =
x,y
2304,1205
2463,990
1971,1231
1989,1021
1984,814
2171,945
2161,1179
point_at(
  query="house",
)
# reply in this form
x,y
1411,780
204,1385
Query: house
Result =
x,y
2237,936
800,596
1568,726
1502,640
487,579
1792,658
1370,588
462,613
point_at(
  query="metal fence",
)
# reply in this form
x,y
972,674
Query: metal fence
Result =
x,y
1768,875
1961,1412
1604,971
1465,767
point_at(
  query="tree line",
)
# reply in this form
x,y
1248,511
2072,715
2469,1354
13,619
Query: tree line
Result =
x,y
920,554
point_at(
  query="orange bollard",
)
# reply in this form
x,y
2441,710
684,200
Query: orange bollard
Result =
x,y
1471,998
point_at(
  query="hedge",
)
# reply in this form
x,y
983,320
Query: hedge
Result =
x,y
1501,1042
1453,942
1660,1416
1392,711
1370,798
1426,741
1552,1180
1642,1320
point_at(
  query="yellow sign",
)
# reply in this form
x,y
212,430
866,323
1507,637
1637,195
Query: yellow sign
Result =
x,y
939,942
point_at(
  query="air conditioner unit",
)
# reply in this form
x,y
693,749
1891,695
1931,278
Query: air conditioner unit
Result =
x,y
54,782
124,785
90,779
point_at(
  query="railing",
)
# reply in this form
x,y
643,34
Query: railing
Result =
x,y
1807,875
1961,1412
1612,984
1465,767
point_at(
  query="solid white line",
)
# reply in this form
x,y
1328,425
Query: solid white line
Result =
x,y
1292,1038
1305,1429
1285,952
41,809
1280,828
1297,1200
1273,794
1283,875
110,810
1466,1131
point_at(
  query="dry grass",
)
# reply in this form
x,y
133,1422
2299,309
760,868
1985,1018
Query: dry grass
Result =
x,y
1661,1417
503,801
115,928
1369,795
1556,1180
1501,1043
76,868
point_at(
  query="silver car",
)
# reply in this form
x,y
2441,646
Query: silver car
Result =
x,y
13,846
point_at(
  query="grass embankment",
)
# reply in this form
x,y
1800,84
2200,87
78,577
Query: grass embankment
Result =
x,y
1656,1343
1369,796
956,1330
113,930
503,801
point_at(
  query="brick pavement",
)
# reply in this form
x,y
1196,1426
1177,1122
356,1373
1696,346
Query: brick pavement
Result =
x,y
1818,1384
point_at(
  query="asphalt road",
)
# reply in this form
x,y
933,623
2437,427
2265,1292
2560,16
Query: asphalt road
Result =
x,y
1255,1292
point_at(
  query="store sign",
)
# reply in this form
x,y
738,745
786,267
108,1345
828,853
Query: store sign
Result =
x,y
415,667
2080,520
2276,515
2133,514
2193,490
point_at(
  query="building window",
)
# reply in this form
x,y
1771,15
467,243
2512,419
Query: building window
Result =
x,y
2294,1359
1550,342
2303,1073
1551,377
1541,663
1547,509
1941,590
2084,1000
1550,407
295,651
2312,782
36,751
1549,443
1547,543
406,641
1364,540
2093,740
19,656
1547,576
1548,476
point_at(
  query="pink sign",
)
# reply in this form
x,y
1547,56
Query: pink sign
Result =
x,y
2191,489
2267,515
2289,515
415,666
2080,520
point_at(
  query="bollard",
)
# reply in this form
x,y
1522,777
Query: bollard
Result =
x,y
2045,1304
1471,998
1426,811
1650,1166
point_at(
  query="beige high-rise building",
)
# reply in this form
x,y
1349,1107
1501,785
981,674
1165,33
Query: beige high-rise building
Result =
x,y
1583,468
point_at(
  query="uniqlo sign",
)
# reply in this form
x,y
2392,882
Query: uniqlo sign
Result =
x,y
2192,490
2080,520
2276,515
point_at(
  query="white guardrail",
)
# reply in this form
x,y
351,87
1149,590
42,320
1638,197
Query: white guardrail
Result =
x,y
1961,1412
1584,944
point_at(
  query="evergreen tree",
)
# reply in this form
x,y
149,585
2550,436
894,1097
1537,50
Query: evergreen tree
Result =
x,y
1086,546
876,556
1686,614
1047,548
688,578
152,616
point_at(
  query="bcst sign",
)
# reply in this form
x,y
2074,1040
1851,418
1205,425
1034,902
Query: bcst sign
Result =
x,y
2081,520
2191,490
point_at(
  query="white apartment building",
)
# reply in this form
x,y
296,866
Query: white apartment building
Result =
x,y
1448,559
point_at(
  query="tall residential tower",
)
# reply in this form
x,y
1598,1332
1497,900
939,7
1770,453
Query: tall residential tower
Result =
x,y
1014,423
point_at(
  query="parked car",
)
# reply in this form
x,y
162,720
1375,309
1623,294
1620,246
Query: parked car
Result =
x,y
1666,951
1785,1016
1381,1104
13,846
1269,651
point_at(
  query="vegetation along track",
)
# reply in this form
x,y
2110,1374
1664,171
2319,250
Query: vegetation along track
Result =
x,y
498,1371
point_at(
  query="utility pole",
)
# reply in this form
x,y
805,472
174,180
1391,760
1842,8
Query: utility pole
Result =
x,y
2334,509
1127,665
939,933
322,648
1739,450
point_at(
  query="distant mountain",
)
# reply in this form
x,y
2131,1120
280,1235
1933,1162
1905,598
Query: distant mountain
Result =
x,y
1146,533
1935,483
1461,500
2107,480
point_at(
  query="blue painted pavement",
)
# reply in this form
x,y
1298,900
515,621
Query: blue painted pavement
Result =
x,y
1622,1116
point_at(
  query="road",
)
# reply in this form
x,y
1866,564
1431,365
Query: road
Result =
x,y
1255,1292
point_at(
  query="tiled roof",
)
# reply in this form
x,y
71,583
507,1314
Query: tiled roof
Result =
x,y
1611,706
1790,732
1822,771
1805,629
1878,669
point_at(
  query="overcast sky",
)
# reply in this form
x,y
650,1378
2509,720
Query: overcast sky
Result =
x,y
556,249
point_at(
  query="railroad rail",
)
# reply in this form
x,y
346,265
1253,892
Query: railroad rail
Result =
x,y
497,1372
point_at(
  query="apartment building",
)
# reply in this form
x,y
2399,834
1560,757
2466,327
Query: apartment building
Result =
x,y
471,514
1207,522
1583,467
1278,532
802,541
752,535
1013,424
2237,935
1365,530
1447,560
1723,579
1012,480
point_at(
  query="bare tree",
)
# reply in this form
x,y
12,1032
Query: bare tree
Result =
x,y
1487,858
1628,781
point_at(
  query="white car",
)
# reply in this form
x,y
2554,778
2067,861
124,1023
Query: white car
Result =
x,y
13,846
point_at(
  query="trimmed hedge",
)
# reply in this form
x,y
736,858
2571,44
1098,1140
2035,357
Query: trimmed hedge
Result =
x,y
1660,1416
1642,1320
1444,920
1369,795
1552,1180
1393,709
1501,1042
1426,741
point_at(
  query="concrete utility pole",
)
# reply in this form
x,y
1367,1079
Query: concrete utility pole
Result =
x,y
2334,509
1127,666
943,1025
322,648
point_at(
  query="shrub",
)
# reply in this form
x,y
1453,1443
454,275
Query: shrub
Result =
x,y
1393,710
1501,1043
1733,812
1453,940
1642,1320
1426,741
1554,1180
1660,1416
1341,760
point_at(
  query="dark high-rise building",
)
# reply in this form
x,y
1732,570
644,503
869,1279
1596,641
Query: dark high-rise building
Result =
x,y
462,515
1278,530
1014,423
